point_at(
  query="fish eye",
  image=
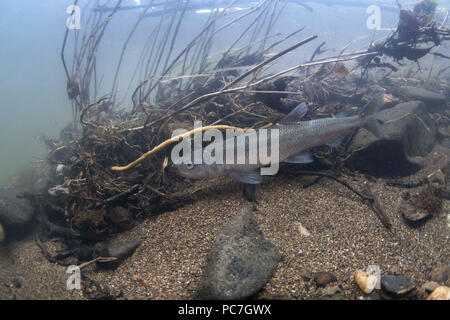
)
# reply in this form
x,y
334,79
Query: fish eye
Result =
x,y
189,165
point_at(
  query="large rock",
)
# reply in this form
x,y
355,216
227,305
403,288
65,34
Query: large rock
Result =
x,y
430,98
15,213
240,263
408,134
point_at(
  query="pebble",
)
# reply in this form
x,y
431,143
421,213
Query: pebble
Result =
x,y
324,278
331,290
440,293
426,289
396,286
366,281
17,283
441,274
303,231
2,233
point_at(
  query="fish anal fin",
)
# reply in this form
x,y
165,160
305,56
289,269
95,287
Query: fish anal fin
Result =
x,y
248,177
337,141
303,157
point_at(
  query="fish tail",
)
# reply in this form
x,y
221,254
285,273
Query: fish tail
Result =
x,y
370,115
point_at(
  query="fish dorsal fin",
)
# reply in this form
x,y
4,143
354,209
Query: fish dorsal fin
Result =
x,y
248,177
302,157
341,114
295,115
373,106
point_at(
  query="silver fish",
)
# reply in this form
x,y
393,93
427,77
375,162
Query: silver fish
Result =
x,y
295,137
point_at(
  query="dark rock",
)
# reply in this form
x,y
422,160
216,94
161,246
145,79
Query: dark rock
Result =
x,y
324,278
17,283
441,275
15,213
120,250
240,262
431,99
422,206
396,286
408,134
250,192
413,214
446,143
121,217
279,102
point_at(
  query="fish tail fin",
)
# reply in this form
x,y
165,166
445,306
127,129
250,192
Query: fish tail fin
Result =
x,y
370,114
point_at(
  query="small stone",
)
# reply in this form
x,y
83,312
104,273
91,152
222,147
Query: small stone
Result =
x,y
303,231
412,214
306,275
2,233
440,293
332,290
366,281
395,270
17,283
441,275
324,278
437,176
396,286
426,289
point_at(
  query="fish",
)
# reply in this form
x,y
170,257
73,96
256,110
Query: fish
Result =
x,y
295,138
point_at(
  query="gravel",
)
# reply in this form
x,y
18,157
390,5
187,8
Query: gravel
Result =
x,y
346,235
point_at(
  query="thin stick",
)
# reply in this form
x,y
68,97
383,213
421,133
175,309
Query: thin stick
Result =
x,y
237,89
279,54
99,259
377,206
345,184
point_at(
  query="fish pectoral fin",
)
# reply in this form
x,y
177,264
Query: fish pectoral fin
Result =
x,y
295,115
337,141
248,177
303,157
